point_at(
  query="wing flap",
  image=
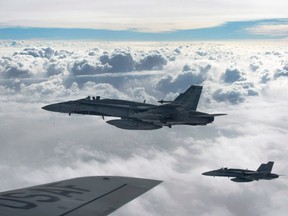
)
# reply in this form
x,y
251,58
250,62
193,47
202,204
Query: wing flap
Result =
x,y
86,196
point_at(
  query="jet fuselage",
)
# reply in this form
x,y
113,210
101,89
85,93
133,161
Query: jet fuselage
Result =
x,y
103,107
141,116
149,113
243,175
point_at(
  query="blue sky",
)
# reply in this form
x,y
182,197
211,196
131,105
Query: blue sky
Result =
x,y
238,30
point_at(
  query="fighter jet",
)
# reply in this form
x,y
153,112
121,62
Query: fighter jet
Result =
x,y
85,196
245,175
141,116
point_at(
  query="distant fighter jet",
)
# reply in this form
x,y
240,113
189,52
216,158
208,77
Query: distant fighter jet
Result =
x,y
141,116
245,175
85,196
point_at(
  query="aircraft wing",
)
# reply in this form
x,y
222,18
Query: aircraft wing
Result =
x,y
85,196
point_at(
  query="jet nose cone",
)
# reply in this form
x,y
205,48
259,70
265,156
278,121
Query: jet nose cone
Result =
x,y
205,173
210,173
52,107
45,107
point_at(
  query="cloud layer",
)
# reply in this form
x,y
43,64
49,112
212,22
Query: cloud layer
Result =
x,y
246,80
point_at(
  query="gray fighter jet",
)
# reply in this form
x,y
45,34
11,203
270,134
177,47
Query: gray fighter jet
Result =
x,y
141,116
245,175
85,196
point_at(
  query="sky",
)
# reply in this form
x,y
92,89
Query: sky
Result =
x,y
246,80
151,20
53,51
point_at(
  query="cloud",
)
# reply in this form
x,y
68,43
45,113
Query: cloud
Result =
x,y
189,75
233,94
271,29
79,67
119,61
232,75
282,72
237,87
39,146
37,52
11,68
30,62
84,67
152,61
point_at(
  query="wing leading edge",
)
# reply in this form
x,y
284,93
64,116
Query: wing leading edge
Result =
x,y
85,196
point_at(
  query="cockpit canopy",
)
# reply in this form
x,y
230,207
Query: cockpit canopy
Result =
x,y
92,98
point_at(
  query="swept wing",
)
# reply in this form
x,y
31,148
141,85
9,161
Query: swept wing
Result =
x,y
85,196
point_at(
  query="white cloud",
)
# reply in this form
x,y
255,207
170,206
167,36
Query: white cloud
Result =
x,y
233,75
276,29
189,75
282,72
39,146
152,61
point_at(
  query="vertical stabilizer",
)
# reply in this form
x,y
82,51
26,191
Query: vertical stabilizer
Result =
x,y
190,98
266,168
